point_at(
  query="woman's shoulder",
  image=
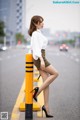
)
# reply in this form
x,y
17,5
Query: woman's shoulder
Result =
x,y
35,33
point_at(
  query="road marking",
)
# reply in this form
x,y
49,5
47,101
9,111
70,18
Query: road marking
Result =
x,y
74,54
15,112
1,59
8,57
77,60
71,57
14,55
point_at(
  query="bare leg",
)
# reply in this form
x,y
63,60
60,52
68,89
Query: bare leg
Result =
x,y
46,90
53,74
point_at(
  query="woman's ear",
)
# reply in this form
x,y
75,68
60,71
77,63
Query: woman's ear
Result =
x,y
37,25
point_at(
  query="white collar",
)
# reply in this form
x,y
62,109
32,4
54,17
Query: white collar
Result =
x,y
39,30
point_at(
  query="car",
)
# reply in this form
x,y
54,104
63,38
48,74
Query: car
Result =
x,y
63,47
2,47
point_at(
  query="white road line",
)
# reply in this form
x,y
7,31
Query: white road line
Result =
x,y
8,57
74,54
14,55
57,54
77,60
71,57
1,59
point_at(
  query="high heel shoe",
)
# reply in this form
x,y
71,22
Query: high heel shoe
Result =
x,y
35,93
47,115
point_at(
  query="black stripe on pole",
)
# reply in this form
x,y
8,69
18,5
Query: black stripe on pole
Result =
x,y
29,62
29,67
29,71
28,111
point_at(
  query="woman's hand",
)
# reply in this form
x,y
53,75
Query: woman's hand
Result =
x,y
42,63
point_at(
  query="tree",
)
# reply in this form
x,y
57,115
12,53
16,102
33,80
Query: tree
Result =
x,y
2,34
20,38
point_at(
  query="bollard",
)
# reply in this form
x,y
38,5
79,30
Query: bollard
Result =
x,y
29,87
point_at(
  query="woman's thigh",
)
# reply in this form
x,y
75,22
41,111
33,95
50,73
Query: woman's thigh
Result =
x,y
44,74
51,70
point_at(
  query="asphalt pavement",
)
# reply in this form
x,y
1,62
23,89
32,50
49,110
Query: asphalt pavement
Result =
x,y
64,98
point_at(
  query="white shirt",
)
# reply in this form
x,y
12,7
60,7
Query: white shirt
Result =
x,y
38,42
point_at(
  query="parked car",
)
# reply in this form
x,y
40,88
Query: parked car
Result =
x,y
2,47
63,47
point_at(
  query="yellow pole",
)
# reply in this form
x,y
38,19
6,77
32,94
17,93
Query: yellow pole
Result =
x,y
29,87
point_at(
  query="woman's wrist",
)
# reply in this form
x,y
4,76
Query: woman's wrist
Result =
x,y
42,63
41,59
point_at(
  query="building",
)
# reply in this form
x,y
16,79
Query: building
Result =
x,y
13,13
20,16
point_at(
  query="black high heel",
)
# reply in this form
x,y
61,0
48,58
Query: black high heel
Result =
x,y
36,91
47,115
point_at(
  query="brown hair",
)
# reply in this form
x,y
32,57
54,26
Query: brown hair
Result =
x,y
34,21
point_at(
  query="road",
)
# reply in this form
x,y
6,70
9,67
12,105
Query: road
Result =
x,y
64,91
11,77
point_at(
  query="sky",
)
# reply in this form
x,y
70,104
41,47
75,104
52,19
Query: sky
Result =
x,y
57,17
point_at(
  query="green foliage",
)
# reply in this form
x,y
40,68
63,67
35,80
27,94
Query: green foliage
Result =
x,y
69,41
2,34
20,37
1,41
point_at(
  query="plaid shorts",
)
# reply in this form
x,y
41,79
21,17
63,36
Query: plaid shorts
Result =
x,y
37,62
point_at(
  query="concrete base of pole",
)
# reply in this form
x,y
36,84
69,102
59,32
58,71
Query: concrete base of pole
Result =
x,y
28,111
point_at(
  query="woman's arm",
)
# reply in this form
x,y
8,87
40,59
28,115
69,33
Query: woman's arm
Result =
x,y
36,45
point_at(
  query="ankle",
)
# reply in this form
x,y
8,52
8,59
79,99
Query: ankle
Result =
x,y
47,108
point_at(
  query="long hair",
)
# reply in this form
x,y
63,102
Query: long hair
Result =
x,y
34,21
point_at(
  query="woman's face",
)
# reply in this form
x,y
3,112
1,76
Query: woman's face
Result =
x,y
40,25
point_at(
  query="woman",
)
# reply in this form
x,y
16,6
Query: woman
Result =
x,y
47,71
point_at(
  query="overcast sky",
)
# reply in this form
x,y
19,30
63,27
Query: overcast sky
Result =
x,y
56,16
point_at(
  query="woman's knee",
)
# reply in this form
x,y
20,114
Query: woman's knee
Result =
x,y
56,73
52,71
